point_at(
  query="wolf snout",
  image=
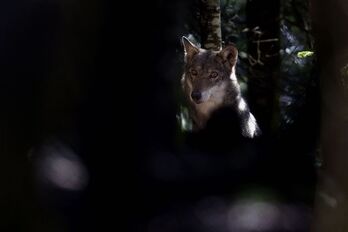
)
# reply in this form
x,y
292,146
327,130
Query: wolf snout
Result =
x,y
196,96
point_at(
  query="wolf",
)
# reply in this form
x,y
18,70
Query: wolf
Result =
x,y
209,83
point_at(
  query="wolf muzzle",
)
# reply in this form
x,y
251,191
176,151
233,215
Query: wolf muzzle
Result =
x,y
196,96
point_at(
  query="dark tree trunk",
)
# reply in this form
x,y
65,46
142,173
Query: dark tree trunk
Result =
x,y
330,31
263,49
211,24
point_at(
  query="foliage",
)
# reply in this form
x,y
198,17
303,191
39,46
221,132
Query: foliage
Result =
x,y
297,77
304,54
297,59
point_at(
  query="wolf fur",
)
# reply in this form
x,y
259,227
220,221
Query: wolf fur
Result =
x,y
209,83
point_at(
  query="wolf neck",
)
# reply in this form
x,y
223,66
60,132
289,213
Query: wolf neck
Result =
x,y
232,95
233,76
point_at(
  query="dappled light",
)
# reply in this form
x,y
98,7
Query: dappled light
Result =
x,y
251,215
221,214
58,166
255,215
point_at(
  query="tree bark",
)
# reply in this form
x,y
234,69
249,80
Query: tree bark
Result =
x,y
331,204
211,24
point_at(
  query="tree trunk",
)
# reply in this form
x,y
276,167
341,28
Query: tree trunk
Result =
x,y
263,49
331,203
211,24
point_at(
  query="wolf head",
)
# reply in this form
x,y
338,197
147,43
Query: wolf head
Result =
x,y
210,84
207,73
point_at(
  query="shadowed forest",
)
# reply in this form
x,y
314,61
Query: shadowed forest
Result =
x,y
291,69
216,180
95,133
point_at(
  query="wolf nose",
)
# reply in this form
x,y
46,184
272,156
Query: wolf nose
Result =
x,y
196,96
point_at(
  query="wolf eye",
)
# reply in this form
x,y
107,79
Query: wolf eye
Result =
x,y
193,72
213,75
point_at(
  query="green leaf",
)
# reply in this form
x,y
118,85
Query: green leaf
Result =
x,y
304,54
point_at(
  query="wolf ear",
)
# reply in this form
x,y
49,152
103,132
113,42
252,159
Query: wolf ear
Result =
x,y
230,55
190,48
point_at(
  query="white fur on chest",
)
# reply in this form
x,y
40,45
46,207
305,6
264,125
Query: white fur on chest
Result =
x,y
206,108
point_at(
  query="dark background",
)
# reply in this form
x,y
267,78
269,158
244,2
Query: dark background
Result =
x,y
106,86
